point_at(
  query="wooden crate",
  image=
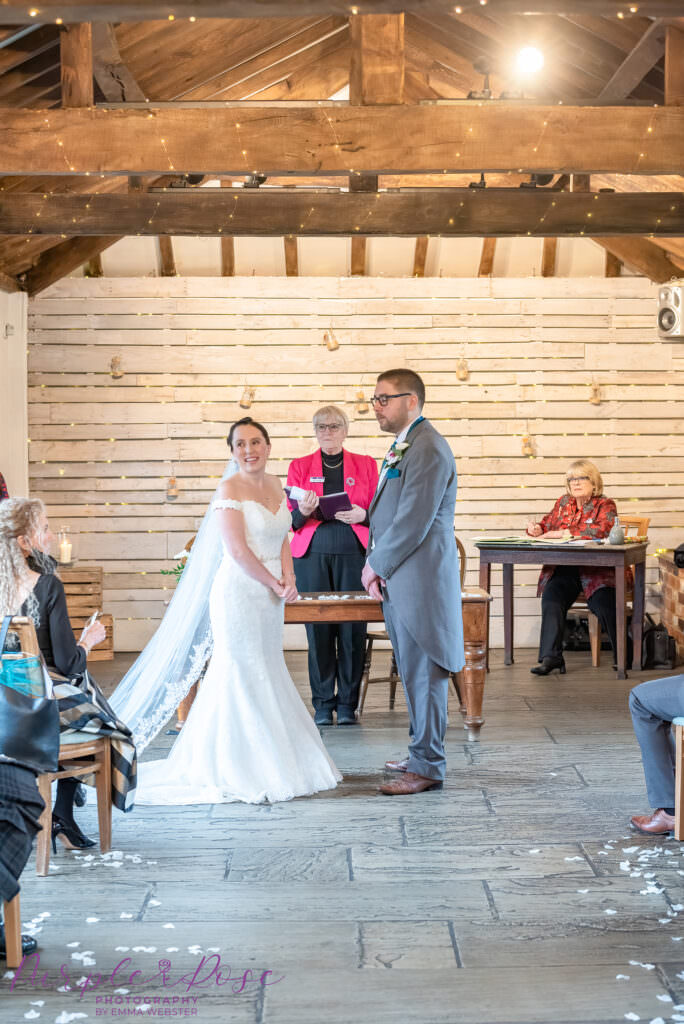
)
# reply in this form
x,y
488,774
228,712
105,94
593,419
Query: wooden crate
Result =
x,y
103,651
83,587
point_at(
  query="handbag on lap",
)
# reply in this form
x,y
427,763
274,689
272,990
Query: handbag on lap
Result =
x,y
29,718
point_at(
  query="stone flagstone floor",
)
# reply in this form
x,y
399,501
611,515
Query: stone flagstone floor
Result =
x,y
516,895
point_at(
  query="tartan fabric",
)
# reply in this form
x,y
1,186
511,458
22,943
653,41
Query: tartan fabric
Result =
x,y
20,808
4,493
84,708
593,522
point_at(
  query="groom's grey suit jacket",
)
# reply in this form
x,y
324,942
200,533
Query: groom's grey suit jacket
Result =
x,y
412,546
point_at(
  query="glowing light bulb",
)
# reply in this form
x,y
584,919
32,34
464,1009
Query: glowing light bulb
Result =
x,y
529,60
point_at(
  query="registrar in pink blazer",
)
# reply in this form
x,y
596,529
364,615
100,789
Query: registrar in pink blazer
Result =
x,y
360,482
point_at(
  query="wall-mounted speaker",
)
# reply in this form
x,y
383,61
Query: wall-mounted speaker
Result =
x,y
670,310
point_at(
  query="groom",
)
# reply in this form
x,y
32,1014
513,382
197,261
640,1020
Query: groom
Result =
x,y
412,566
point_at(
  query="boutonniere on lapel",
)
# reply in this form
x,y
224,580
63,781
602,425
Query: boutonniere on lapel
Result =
x,y
394,457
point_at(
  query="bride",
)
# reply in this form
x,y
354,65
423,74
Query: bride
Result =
x,y
248,736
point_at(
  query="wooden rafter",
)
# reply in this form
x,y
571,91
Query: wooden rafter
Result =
x,y
549,251
167,261
674,66
408,212
643,255
13,12
487,257
329,138
613,266
291,256
420,256
115,80
636,64
227,250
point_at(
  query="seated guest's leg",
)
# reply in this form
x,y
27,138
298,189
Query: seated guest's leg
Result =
x,y
20,808
559,593
63,823
653,705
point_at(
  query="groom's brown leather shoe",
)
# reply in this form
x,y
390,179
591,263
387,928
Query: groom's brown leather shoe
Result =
x,y
657,824
410,783
397,766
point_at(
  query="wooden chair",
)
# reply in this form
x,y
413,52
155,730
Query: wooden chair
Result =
x,y
678,724
80,753
634,526
393,677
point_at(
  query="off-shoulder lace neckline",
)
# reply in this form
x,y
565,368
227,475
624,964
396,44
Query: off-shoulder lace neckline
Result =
x,y
252,501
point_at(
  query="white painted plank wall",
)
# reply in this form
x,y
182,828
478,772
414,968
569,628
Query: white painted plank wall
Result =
x,y
102,449
13,406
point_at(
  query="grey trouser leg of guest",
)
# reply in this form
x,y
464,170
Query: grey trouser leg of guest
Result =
x,y
653,705
426,686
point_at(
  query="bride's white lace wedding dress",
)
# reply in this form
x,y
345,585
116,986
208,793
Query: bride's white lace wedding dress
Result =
x,y
248,736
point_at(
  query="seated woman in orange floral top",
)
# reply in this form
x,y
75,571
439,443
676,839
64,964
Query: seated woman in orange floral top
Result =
x,y
582,512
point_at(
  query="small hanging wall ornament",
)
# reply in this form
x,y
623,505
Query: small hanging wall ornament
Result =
x,y
527,446
595,397
462,371
247,397
171,488
361,403
331,341
116,368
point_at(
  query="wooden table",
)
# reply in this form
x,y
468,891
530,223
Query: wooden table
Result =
x,y
359,607
614,556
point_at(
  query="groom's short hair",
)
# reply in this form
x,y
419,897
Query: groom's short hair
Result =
x,y
406,380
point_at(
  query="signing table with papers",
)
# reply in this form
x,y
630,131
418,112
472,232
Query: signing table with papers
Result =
x,y
511,551
360,607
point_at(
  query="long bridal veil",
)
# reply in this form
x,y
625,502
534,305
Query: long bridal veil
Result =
x,y
174,658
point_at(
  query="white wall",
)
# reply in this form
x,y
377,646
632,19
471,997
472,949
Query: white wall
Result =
x,y
102,448
13,405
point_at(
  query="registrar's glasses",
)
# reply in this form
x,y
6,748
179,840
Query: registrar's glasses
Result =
x,y
384,399
577,479
329,428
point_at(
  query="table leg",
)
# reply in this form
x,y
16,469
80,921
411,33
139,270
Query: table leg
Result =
x,y
620,621
508,612
638,613
485,584
472,678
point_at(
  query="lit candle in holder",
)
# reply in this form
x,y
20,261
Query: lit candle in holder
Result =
x,y
247,397
331,341
65,548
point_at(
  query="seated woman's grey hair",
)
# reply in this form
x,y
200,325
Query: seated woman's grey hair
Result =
x,y
330,412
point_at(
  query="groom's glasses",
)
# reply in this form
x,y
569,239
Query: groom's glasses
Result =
x,y
384,399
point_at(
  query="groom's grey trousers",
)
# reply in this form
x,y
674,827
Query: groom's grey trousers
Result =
x,y
653,705
426,686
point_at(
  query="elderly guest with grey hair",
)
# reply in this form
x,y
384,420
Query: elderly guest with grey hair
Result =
x,y
329,555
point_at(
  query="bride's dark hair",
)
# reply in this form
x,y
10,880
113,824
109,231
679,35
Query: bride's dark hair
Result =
x,y
246,421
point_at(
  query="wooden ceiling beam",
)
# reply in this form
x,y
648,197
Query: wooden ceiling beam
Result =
x,y
410,212
643,256
76,50
61,259
376,76
320,138
636,64
29,47
8,283
14,12
549,253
